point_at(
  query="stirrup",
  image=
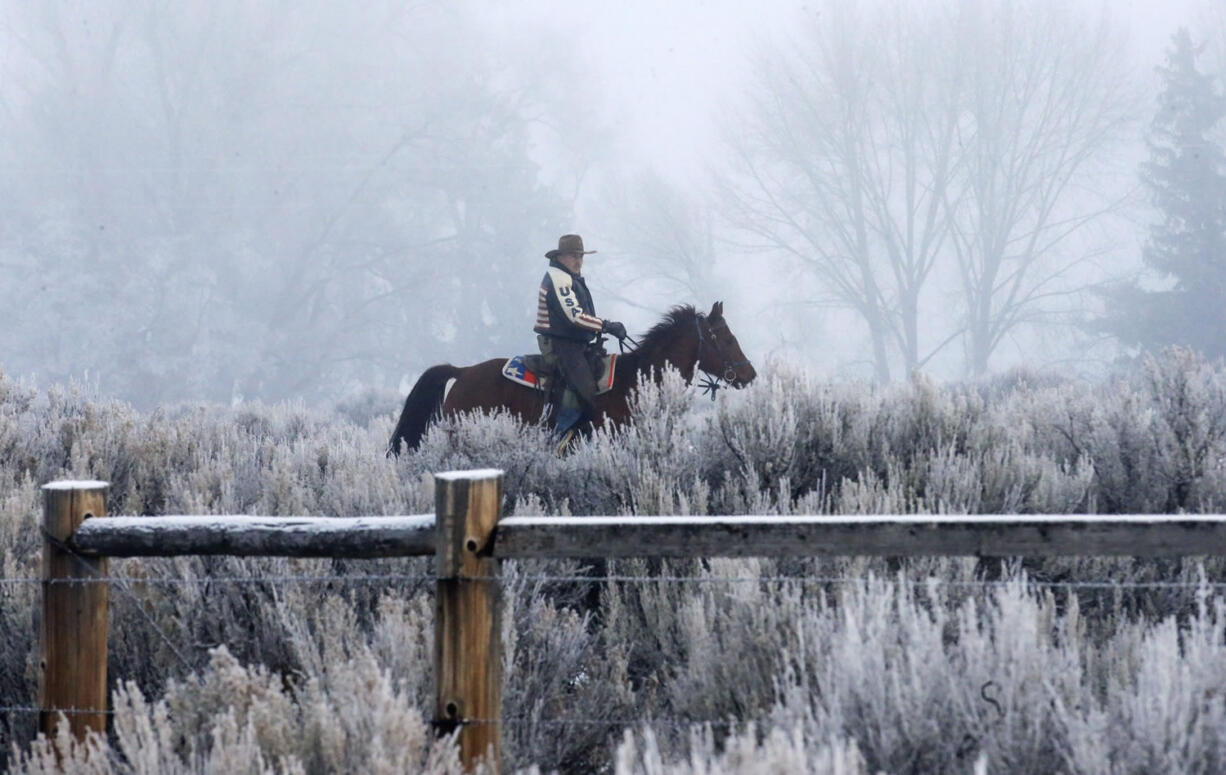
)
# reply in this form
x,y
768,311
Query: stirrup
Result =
x,y
566,444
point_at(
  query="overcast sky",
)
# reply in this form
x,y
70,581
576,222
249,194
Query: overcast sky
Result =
x,y
666,66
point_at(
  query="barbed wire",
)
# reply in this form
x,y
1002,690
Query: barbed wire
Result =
x,y
615,722
65,711
123,590
620,579
862,581
513,721
277,579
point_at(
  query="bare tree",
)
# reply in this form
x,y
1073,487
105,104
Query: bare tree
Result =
x,y
845,162
269,200
1044,101
895,141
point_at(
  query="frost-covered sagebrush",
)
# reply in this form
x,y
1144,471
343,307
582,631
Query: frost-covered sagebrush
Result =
x,y
864,665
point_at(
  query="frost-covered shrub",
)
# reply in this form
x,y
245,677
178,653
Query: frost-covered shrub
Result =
x,y
740,754
234,719
1153,441
919,676
20,552
1189,398
1160,711
369,405
559,670
906,449
651,466
929,684
791,432
1156,438
945,665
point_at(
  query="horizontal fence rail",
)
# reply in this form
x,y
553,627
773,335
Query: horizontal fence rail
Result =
x,y
1007,535
351,537
1010,535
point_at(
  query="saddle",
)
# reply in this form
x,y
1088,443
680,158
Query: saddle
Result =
x,y
531,371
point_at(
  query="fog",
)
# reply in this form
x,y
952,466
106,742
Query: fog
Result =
x,y
229,201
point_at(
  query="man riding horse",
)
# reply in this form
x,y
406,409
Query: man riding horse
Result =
x,y
685,339
566,327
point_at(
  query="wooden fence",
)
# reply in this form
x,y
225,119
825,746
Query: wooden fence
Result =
x,y
469,539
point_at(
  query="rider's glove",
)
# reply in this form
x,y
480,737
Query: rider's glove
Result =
x,y
614,328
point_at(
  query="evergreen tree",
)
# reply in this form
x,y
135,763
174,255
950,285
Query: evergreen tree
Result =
x,y
1186,177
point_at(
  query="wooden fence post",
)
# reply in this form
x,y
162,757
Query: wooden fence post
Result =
x,y
72,673
468,620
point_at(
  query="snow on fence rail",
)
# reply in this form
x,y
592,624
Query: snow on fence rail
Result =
x,y
469,540
245,536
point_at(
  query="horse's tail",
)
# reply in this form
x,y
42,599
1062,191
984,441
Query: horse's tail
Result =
x,y
423,406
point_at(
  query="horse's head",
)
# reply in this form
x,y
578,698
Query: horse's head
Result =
x,y
719,352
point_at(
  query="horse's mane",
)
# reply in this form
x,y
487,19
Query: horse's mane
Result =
x,y
682,314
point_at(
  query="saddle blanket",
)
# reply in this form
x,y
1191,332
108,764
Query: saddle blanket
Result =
x,y
529,370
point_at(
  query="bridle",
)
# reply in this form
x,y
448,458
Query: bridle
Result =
x,y
712,380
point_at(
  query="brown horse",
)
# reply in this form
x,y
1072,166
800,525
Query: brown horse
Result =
x,y
685,340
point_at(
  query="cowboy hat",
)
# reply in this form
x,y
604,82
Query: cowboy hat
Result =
x,y
569,243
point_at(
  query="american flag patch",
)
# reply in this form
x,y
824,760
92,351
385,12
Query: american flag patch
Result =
x,y
516,369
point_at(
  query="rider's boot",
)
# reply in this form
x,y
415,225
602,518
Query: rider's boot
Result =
x,y
567,429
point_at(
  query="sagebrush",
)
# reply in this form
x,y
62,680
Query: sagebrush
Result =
x,y
749,666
